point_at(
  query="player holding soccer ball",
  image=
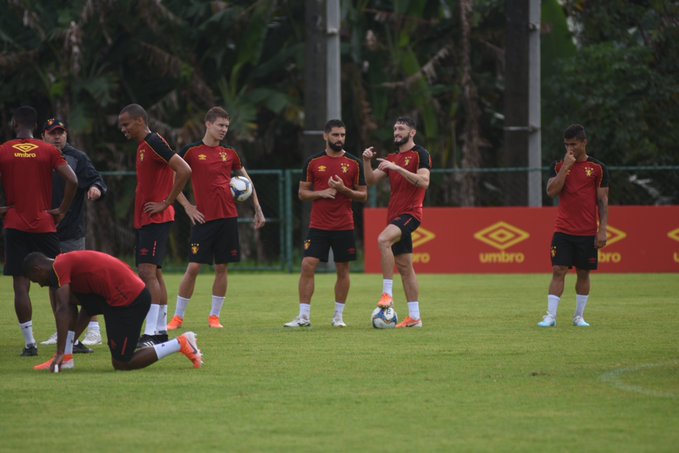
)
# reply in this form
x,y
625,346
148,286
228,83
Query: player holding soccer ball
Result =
x,y
214,235
408,171
331,180
581,183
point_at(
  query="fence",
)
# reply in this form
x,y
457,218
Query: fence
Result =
x,y
277,246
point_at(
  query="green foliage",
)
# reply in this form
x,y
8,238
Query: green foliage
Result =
x,y
480,376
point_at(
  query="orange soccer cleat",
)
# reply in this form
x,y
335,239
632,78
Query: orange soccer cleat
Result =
x,y
213,321
409,322
175,323
386,301
189,347
66,364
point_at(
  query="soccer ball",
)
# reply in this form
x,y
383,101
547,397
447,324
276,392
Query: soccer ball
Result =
x,y
241,188
384,318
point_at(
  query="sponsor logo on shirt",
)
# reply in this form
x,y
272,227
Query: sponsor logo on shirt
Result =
x,y
24,150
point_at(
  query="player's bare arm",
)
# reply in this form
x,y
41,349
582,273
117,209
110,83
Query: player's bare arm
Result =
x,y
182,174
602,202
65,315
260,220
419,179
372,177
306,193
555,184
360,193
70,188
195,216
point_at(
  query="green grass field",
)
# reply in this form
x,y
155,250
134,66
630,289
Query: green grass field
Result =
x,y
479,376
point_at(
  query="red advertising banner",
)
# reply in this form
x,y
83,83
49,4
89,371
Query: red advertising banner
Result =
x,y
643,239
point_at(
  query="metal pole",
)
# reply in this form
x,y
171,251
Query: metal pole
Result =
x,y
334,81
534,119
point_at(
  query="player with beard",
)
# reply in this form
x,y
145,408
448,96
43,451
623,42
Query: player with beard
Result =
x,y
332,179
214,235
408,171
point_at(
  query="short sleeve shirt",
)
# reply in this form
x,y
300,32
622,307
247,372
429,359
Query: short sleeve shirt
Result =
x,y
91,272
26,167
333,214
405,197
155,179
211,169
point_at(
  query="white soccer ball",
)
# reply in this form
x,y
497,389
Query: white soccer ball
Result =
x,y
241,188
384,318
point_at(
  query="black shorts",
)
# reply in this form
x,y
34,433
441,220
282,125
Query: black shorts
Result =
x,y
215,242
407,224
18,244
578,251
151,244
123,324
318,244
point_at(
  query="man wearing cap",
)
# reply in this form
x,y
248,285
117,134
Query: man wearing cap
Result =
x,y
71,230
26,167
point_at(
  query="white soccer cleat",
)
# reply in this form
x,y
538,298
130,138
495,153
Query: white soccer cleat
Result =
x,y
50,340
338,322
579,321
547,321
91,338
298,322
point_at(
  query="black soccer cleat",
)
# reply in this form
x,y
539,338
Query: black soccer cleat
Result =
x,y
30,350
145,341
161,337
79,348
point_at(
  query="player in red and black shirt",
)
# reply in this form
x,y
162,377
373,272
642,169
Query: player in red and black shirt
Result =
x,y
332,179
26,167
161,176
104,285
408,171
581,183
214,235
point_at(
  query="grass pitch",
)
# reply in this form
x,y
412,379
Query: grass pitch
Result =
x,y
479,376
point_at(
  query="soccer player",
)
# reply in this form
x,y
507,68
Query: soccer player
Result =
x,y
161,176
214,235
26,166
71,230
408,171
332,179
101,284
581,183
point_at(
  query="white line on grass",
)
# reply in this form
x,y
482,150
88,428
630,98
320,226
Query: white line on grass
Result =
x,y
614,378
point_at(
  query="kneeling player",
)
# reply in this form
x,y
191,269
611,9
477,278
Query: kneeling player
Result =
x,y
101,284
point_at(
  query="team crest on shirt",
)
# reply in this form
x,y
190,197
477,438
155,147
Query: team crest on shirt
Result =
x,y
223,156
407,162
589,171
322,168
195,247
141,155
345,167
307,244
202,157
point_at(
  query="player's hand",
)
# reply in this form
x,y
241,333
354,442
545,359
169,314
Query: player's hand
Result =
x,y
55,367
57,214
601,239
260,220
386,165
569,159
195,216
328,193
368,154
336,183
94,193
155,207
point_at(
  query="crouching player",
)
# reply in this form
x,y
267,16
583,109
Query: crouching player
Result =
x,y
104,285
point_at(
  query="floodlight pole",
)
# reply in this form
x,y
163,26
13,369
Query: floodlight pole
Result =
x,y
534,100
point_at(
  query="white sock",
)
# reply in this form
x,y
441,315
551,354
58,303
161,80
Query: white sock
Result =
x,y
217,304
27,331
305,311
161,324
388,286
414,310
582,303
93,326
152,320
553,305
165,349
339,308
182,303
70,338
